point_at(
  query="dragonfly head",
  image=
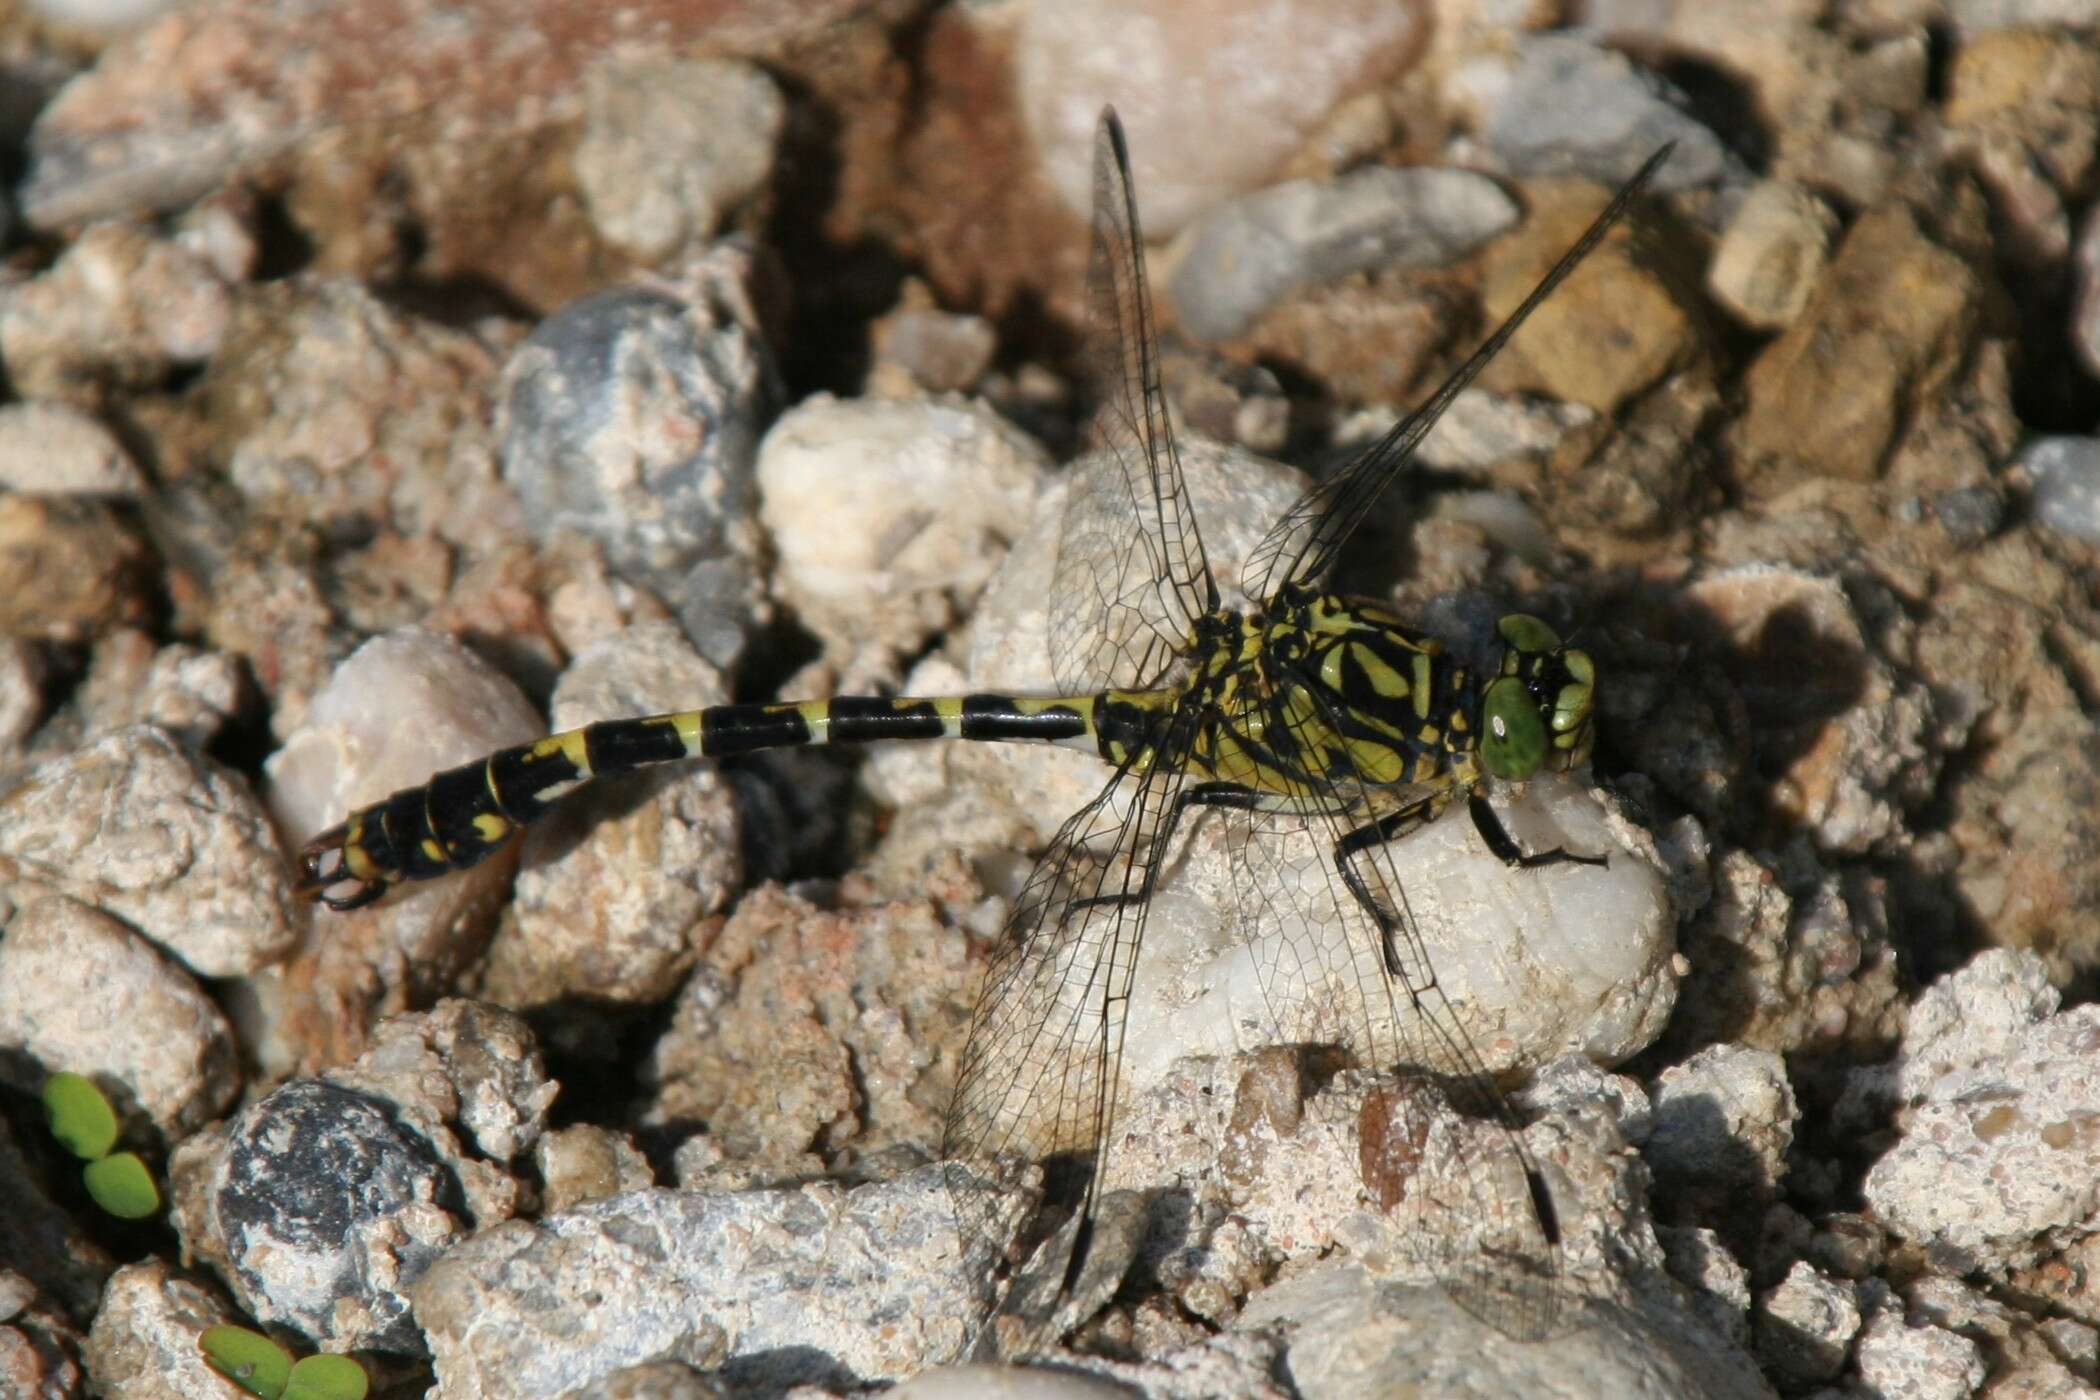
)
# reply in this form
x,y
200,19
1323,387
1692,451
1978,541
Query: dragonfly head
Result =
x,y
1538,712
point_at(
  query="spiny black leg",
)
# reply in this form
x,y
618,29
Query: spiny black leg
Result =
x,y
1497,839
1228,795
1389,827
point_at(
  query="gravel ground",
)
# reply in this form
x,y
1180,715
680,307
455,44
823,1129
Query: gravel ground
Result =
x,y
389,381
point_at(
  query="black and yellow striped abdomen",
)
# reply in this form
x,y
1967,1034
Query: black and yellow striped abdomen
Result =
x,y
464,814
1311,703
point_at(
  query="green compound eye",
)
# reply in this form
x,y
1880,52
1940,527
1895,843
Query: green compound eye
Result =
x,y
1572,705
1514,745
1527,634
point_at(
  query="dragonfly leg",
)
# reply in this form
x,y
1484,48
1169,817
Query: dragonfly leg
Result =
x,y
1231,796
1497,839
1401,821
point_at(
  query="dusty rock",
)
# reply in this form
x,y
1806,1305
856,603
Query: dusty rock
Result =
x,y
53,449
1348,1336
331,406
119,308
1806,1324
81,992
2025,105
1990,1074
1883,337
70,568
1931,1363
144,1341
172,843
890,516
815,1283
586,1163
1614,329
670,148
399,117
1197,134
808,1031
1724,1120
1771,255
400,709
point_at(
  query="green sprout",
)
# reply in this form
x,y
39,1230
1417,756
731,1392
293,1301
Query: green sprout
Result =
x,y
261,1367
82,1119
122,1186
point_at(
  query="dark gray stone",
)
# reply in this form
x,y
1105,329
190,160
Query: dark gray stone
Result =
x,y
327,1208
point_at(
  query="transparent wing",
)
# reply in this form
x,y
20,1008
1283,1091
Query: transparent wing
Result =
x,y
1131,573
1040,1072
1303,545
1333,968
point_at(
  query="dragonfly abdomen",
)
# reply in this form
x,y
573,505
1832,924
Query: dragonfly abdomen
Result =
x,y
462,816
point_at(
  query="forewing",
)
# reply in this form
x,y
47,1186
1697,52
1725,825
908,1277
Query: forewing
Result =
x,y
1131,573
1304,544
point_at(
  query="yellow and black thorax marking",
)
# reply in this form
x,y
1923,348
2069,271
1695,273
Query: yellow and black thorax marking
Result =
x,y
1318,694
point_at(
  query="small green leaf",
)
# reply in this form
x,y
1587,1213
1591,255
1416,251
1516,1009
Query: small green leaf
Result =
x,y
326,1377
248,1359
122,1186
81,1117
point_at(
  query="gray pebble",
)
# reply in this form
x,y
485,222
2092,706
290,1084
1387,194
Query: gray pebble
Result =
x,y
2066,472
1243,256
1970,515
1573,108
632,416
328,1208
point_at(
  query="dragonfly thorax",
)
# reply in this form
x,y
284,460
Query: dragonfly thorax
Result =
x,y
1317,690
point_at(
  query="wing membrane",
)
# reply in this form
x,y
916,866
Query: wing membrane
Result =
x,y
1131,572
1304,544
1041,1069
1331,969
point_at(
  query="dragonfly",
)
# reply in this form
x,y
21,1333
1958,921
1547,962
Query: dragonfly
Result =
x,y
1308,713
